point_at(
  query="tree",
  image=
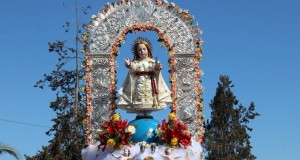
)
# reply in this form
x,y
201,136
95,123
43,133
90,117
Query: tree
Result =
x,y
4,148
69,129
226,135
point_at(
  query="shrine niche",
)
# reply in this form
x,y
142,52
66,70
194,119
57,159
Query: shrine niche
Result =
x,y
177,32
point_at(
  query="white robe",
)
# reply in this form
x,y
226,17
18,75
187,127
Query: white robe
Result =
x,y
136,93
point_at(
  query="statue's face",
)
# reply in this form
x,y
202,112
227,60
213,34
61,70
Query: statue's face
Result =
x,y
142,51
168,151
126,152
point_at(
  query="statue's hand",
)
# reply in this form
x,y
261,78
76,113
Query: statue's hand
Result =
x,y
158,66
127,62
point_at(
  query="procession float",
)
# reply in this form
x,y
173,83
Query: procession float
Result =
x,y
144,90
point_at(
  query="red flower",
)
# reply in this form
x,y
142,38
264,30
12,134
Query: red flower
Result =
x,y
175,129
114,130
144,28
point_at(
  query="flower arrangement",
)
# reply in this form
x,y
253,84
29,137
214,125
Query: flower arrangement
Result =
x,y
174,132
87,89
115,133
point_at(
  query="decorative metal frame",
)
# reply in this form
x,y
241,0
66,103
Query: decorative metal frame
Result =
x,y
175,28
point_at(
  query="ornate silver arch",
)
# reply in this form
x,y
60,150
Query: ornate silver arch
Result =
x,y
182,34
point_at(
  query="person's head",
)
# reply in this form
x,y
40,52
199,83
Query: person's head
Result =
x,y
142,49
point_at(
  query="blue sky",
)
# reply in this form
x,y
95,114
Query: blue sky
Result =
x,y
255,42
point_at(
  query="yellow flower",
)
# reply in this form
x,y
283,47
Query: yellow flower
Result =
x,y
174,142
172,116
115,117
111,143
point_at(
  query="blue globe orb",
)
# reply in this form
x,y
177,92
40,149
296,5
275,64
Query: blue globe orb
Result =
x,y
145,130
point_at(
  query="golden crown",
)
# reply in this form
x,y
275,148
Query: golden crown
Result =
x,y
138,40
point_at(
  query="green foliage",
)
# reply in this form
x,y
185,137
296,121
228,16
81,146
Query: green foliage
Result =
x,y
226,135
4,148
68,130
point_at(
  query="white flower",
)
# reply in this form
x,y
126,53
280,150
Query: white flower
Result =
x,y
131,129
158,132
